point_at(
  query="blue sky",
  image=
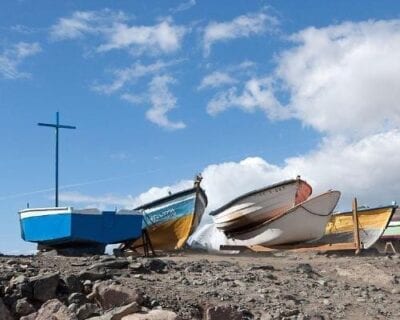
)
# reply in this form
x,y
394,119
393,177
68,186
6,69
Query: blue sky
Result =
x,y
246,92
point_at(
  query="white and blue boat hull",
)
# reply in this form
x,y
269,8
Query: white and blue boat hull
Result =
x,y
59,226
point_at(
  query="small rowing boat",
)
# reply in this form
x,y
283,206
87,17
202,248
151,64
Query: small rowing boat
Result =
x,y
170,221
259,205
305,222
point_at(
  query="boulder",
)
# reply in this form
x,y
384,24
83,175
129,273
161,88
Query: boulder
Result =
x,y
55,310
4,312
153,315
110,295
45,286
93,275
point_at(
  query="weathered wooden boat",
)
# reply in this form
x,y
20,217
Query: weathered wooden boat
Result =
x,y
170,221
257,206
68,226
371,222
392,232
304,222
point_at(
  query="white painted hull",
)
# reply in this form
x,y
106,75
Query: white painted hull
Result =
x,y
260,206
306,221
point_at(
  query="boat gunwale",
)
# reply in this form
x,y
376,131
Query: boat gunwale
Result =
x,y
173,197
269,221
253,192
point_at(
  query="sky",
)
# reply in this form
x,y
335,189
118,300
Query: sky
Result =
x,y
247,93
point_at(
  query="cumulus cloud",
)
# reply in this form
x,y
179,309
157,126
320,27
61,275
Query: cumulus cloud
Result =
x,y
162,101
367,169
116,33
130,74
12,57
257,94
340,80
216,79
240,27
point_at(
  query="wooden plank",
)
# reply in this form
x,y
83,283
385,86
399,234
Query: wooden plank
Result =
x,y
356,230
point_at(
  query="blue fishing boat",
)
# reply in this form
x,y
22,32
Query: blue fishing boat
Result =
x,y
66,225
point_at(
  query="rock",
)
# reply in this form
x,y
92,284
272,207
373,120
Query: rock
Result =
x,y
152,315
4,312
93,275
137,267
119,313
22,307
223,312
31,316
114,264
110,295
77,298
156,265
45,286
55,310
73,283
87,310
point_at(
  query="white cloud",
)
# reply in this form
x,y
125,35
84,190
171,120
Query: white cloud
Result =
x,y
162,101
340,80
346,78
101,202
163,37
131,74
12,57
186,5
257,94
216,79
113,28
367,169
240,27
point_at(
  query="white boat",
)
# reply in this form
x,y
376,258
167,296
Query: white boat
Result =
x,y
306,221
260,205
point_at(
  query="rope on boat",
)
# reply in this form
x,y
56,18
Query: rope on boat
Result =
x,y
314,213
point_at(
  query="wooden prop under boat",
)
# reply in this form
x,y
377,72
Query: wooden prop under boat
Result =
x,y
371,222
306,221
392,232
170,221
257,206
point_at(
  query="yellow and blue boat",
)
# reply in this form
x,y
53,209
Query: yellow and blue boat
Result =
x,y
171,220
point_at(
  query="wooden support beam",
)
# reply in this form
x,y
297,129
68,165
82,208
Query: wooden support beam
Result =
x,y
356,227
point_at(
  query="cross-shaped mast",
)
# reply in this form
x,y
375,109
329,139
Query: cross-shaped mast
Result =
x,y
56,126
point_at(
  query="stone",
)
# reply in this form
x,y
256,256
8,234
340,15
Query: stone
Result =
x,y
77,298
93,275
45,286
111,295
55,310
223,312
119,313
31,316
22,307
87,310
114,264
4,312
152,315
73,283
156,265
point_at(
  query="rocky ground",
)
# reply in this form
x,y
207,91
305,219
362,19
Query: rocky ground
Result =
x,y
200,286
